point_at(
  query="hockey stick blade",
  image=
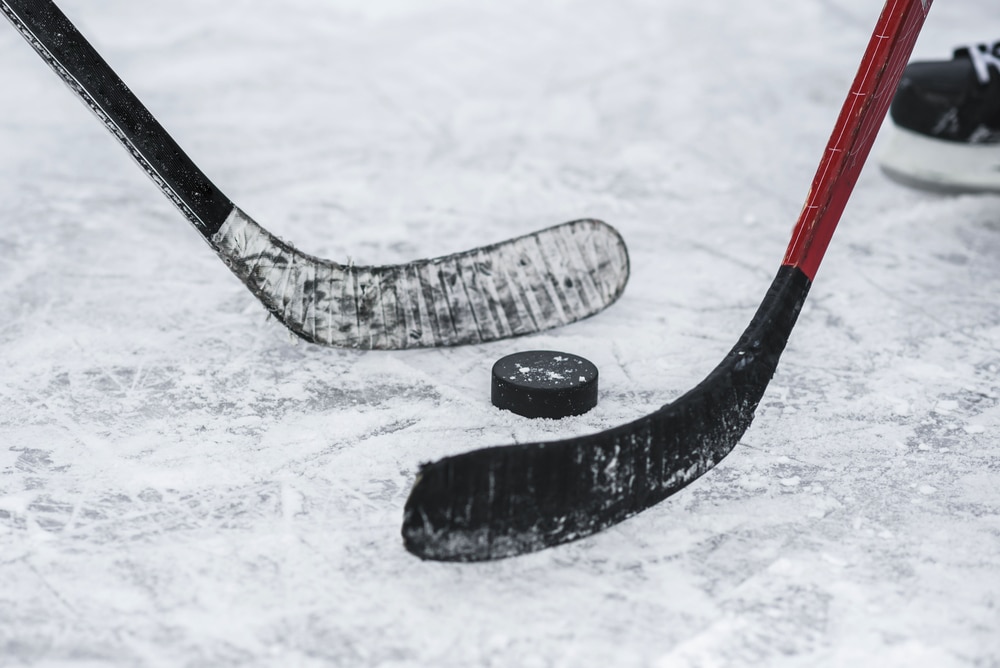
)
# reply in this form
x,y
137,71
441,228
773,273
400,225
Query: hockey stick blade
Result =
x,y
509,500
539,281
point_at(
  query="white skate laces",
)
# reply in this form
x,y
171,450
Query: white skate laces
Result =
x,y
983,57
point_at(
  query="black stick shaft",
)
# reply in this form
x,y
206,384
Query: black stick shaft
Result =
x,y
79,65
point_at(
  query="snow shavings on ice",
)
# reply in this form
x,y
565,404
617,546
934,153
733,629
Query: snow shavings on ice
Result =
x,y
184,484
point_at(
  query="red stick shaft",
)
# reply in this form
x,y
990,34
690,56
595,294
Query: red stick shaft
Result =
x,y
859,121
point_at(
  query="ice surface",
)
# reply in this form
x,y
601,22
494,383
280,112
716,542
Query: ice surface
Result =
x,y
186,485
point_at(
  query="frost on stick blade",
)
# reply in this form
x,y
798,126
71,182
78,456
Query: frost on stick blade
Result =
x,y
539,281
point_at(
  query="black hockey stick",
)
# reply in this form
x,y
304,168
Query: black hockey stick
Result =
x,y
538,281
509,500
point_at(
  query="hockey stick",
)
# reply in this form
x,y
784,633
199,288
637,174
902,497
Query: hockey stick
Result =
x,y
538,281
508,500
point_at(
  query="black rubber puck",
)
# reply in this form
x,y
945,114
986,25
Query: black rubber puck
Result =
x,y
544,383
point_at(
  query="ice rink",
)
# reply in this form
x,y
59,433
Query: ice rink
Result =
x,y
184,484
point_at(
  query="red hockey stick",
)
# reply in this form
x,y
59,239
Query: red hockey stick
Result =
x,y
508,500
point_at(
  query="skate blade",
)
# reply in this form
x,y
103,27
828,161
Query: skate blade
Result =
x,y
940,166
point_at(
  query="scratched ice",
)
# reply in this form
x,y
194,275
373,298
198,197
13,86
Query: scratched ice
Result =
x,y
185,485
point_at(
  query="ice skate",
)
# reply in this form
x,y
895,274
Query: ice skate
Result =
x,y
946,118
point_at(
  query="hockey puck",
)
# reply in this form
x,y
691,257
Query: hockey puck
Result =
x,y
544,383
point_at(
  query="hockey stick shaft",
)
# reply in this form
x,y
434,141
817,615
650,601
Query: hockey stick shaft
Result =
x,y
508,500
79,65
855,131
538,281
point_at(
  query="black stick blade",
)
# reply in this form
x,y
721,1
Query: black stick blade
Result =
x,y
509,500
